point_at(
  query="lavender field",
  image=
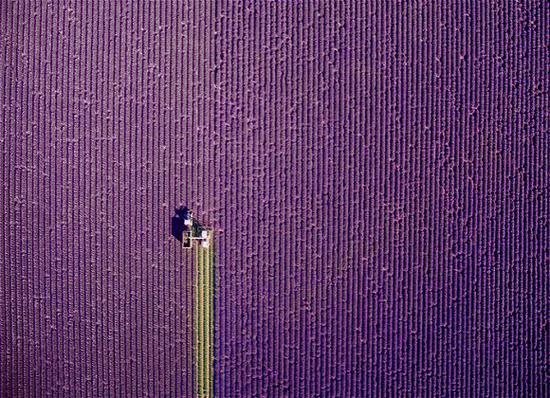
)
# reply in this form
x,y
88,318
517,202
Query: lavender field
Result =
x,y
376,175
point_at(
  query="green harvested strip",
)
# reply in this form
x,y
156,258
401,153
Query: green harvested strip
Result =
x,y
204,320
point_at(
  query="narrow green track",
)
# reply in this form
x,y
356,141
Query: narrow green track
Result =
x,y
204,320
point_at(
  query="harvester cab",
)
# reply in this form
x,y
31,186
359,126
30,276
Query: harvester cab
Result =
x,y
194,232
